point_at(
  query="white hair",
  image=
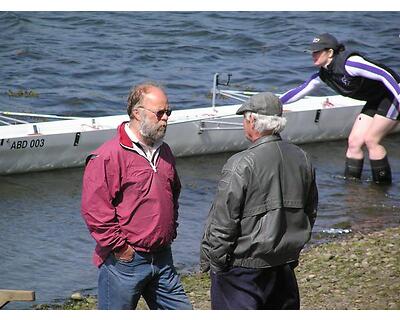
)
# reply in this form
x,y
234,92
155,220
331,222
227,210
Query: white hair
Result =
x,y
264,123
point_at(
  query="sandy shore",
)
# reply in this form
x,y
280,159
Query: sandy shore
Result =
x,y
360,271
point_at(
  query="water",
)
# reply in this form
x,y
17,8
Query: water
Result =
x,y
85,64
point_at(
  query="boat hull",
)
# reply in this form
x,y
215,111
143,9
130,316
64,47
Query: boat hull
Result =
x,y
64,144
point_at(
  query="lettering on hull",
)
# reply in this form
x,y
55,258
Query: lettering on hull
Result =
x,y
23,144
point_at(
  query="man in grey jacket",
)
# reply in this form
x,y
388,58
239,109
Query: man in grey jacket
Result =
x,y
261,217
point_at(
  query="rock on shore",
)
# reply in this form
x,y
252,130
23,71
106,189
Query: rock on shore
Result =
x,y
361,272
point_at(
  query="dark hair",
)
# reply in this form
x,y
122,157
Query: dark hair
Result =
x,y
339,48
137,93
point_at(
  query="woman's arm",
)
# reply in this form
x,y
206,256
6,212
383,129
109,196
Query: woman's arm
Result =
x,y
300,91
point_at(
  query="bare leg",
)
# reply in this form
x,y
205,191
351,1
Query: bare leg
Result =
x,y
355,154
379,128
357,135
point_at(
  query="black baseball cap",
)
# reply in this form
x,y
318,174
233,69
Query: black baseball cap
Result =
x,y
324,41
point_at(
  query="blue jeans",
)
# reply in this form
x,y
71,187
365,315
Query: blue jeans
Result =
x,y
151,275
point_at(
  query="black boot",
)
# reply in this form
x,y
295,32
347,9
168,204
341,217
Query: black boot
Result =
x,y
381,173
353,168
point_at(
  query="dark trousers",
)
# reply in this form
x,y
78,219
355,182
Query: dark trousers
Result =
x,y
255,289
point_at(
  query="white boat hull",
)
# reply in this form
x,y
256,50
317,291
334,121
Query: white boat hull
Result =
x,y
66,143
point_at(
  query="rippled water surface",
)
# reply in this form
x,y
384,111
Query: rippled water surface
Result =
x,y
85,63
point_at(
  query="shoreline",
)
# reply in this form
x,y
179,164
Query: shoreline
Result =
x,y
358,272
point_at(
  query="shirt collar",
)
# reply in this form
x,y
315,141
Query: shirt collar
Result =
x,y
135,139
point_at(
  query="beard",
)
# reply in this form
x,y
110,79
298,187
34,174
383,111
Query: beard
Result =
x,y
152,132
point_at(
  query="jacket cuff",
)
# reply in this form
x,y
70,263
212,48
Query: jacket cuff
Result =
x,y
218,268
204,266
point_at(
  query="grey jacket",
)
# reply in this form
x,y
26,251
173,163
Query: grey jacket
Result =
x,y
264,209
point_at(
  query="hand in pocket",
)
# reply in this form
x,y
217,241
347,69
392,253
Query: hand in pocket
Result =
x,y
126,255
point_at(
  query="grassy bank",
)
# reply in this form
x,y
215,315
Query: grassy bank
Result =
x,y
361,271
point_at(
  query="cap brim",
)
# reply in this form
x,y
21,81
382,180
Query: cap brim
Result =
x,y
242,109
316,47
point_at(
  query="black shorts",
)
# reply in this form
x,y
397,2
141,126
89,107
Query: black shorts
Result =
x,y
386,106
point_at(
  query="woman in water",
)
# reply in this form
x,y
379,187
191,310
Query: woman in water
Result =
x,y
353,75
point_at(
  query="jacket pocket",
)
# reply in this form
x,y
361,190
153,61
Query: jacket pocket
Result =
x,y
271,205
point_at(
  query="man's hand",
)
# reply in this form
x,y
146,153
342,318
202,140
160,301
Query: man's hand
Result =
x,y
125,254
204,266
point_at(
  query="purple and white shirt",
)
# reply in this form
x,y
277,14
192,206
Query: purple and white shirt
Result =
x,y
355,67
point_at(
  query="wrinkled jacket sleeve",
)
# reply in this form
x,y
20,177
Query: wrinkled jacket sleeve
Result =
x,y
99,188
222,226
311,206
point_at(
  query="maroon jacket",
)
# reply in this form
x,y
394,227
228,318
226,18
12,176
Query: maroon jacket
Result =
x,y
125,200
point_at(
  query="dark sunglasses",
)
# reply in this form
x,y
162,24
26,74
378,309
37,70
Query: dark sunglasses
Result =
x,y
159,114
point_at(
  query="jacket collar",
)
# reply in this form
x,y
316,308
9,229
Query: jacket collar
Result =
x,y
124,139
127,143
265,139
330,66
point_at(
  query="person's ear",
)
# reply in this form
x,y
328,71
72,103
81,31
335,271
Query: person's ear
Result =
x,y
135,114
331,52
252,121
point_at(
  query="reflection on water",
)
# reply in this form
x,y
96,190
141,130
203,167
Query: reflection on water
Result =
x,y
355,204
47,247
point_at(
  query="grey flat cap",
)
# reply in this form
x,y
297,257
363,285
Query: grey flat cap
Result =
x,y
265,103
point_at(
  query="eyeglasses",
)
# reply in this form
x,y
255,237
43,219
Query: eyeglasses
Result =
x,y
159,114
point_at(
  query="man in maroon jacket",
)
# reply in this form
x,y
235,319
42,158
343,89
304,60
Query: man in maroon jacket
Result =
x,y
130,204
